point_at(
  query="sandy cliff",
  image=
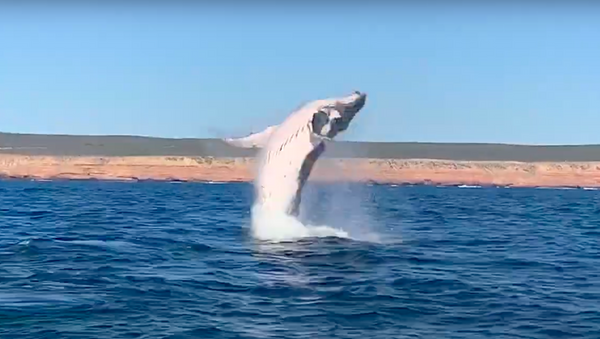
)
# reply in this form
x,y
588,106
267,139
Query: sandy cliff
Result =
x,y
445,172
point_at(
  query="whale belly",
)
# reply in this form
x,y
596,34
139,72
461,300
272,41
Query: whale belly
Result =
x,y
280,178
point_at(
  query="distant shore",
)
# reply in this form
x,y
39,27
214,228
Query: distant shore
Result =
x,y
126,146
131,158
384,171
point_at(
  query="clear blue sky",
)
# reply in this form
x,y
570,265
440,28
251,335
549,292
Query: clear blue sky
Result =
x,y
439,74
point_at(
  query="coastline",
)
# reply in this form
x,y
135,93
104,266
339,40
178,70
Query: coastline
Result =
x,y
139,158
240,169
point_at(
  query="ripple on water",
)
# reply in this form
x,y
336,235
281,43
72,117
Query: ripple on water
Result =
x,y
155,260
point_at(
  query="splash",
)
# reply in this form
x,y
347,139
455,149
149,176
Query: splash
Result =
x,y
352,222
277,226
328,210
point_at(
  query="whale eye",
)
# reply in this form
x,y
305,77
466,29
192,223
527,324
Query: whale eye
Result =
x,y
319,120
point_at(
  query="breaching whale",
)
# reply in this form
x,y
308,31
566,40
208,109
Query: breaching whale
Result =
x,y
288,151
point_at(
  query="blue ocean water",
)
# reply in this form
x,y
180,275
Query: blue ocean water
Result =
x,y
177,260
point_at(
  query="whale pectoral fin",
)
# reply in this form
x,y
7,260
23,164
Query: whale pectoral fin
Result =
x,y
258,139
305,171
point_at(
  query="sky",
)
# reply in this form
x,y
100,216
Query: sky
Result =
x,y
433,73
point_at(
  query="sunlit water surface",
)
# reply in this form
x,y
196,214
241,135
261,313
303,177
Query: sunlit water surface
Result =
x,y
178,260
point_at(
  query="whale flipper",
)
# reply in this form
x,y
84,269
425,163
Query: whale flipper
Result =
x,y
253,140
305,170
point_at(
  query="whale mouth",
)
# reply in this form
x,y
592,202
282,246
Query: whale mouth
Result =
x,y
352,108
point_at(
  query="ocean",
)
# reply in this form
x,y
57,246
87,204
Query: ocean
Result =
x,y
93,259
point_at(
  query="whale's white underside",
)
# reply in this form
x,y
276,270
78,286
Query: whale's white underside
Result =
x,y
286,154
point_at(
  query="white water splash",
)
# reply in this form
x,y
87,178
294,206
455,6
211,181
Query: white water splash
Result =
x,y
278,226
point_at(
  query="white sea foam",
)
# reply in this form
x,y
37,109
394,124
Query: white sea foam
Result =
x,y
278,226
347,216
469,186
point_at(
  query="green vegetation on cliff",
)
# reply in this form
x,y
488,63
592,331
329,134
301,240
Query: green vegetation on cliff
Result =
x,y
76,145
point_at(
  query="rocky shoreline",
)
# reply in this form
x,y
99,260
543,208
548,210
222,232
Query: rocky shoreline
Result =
x,y
240,169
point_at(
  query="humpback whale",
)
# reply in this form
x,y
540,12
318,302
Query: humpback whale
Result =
x,y
289,150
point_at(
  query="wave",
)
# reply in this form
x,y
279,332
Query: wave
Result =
x,y
555,188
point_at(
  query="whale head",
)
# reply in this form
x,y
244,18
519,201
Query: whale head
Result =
x,y
334,115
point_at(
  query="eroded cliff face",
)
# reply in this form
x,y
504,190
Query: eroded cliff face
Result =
x,y
442,172
125,168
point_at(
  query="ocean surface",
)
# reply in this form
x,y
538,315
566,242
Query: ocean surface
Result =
x,y
177,260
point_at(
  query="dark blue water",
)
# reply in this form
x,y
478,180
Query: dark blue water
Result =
x,y
163,260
